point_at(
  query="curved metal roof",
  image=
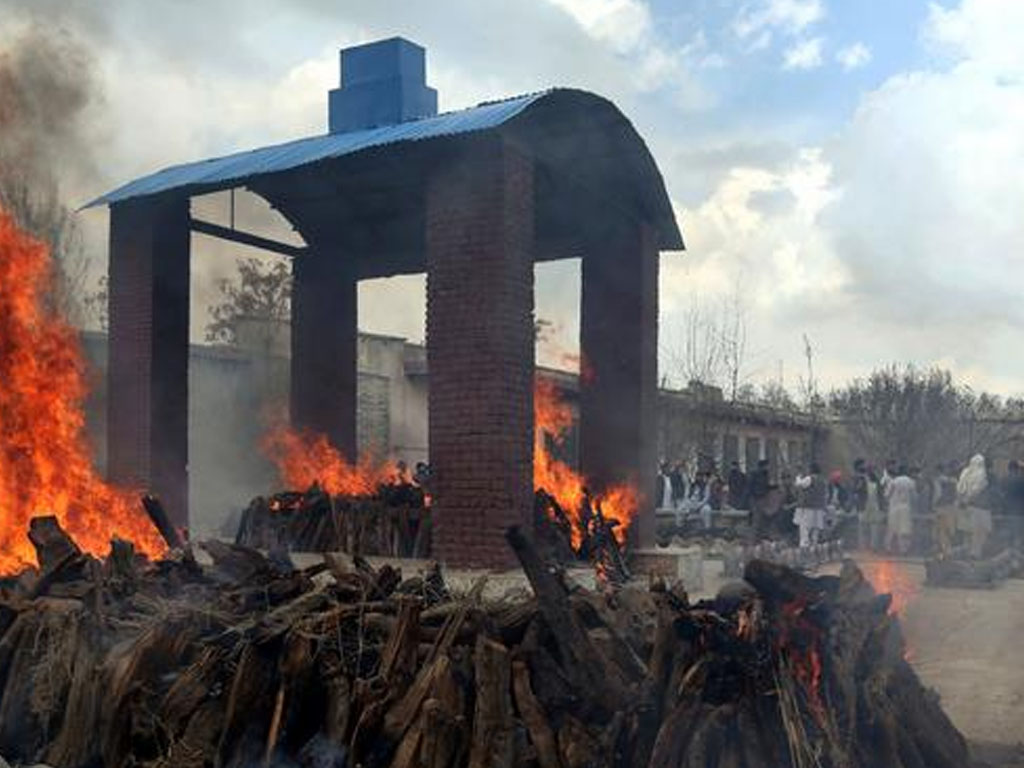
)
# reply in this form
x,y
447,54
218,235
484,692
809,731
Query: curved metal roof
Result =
x,y
242,167
237,167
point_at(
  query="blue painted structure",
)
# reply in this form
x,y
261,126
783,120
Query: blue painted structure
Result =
x,y
222,172
382,83
384,102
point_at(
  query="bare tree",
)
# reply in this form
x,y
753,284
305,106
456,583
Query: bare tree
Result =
x,y
733,339
261,291
96,304
923,417
709,346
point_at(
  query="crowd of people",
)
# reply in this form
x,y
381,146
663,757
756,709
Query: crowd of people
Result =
x,y
939,509
895,509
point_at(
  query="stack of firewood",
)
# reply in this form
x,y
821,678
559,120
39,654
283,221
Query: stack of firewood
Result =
x,y
395,522
249,661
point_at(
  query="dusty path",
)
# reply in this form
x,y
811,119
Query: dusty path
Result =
x,y
969,646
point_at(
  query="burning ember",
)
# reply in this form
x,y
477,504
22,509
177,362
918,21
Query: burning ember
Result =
x,y
800,642
888,577
305,458
45,467
552,420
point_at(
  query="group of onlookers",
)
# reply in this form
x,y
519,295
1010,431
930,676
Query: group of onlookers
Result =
x,y
893,510
706,491
944,506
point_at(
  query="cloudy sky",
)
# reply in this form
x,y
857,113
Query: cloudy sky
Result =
x,y
852,168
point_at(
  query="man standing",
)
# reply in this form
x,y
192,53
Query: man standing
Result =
x,y
859,500
678,483
902,496
944,504
972,498
737,487
1013,497
810,514
699,499
874,515
663,487
760,494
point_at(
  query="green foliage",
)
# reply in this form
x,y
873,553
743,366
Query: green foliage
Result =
x,y
261,291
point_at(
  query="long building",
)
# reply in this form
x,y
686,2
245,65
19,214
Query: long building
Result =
x,y
237,392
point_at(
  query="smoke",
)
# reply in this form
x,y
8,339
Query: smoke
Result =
x,y
47,84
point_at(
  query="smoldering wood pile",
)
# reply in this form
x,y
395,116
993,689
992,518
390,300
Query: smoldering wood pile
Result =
x,y
250,662
395,522
958,570
737,557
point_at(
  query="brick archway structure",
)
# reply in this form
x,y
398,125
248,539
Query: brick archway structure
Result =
x,y
471,198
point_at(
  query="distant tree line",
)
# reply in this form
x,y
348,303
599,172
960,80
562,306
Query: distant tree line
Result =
x,y
923,416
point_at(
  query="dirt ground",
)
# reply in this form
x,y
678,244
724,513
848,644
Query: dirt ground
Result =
x,y
969,646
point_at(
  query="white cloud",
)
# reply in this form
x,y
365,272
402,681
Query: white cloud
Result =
x,y
980,32
790,16
806,54
626,28
783,254
853,56
777,253
900,239
624,24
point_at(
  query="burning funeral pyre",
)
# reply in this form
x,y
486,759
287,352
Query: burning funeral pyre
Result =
x,y
379,509
250,661
45,462
394,520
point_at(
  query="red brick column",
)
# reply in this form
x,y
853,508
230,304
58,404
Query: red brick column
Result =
x,y
323,361
619,346
147,411
480,351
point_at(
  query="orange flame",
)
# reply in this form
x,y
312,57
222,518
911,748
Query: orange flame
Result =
x,y
45,467
800,640
890,578
304,458
552,421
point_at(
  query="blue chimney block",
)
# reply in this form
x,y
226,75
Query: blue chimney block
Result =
x,y
382,83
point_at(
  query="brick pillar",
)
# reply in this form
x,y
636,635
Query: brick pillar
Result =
x,y
480,352
619,346
147,411
323,361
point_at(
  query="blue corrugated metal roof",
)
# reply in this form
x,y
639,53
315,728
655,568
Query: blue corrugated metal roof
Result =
x,y
223,171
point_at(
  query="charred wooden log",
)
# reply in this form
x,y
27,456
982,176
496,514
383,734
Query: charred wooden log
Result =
x,y
156,512
252,662
394,521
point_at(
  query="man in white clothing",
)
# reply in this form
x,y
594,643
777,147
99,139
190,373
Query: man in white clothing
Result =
x,y
809,516
972,499
901,493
